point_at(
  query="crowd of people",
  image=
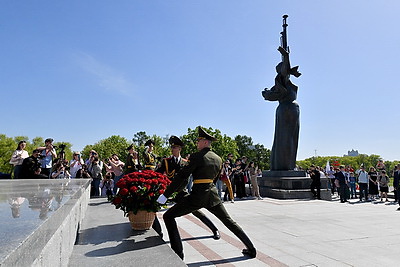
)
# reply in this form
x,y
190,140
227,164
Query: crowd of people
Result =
x,y
235,175
45,163
348,183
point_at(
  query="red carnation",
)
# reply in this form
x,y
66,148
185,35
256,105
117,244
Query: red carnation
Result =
x,y
161,191
133,189
121,183
117,201
123,192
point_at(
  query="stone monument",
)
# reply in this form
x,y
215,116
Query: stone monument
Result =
x,y
283,181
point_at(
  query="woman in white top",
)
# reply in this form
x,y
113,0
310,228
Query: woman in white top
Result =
x,y
18,157
75,164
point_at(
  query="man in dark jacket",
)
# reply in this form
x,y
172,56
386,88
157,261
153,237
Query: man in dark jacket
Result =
x,y
342,182
315,176
205,166
30,165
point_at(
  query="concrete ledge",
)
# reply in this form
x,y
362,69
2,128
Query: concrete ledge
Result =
x,y
43,231
107,239
291,187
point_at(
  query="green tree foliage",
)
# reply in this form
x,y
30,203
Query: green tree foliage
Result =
x,y
105,148
262,156
245,146
355,162
257,153
223,146
140,138
7,147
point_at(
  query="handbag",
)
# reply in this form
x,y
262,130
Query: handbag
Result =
x,y
245,179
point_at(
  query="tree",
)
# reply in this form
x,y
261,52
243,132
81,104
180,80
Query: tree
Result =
x,y
257,153
245,146
105,148
140,138
262,156
222,147
7,147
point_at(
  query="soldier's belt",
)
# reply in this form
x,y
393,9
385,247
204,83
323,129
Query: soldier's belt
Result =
x,y
202,181
149,166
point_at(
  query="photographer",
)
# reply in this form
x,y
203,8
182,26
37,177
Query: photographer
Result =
x,y
83,173
47,153
116,167
75,164
30,165
95,167
60,171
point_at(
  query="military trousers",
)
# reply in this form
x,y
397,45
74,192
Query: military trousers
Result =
x,y
186,206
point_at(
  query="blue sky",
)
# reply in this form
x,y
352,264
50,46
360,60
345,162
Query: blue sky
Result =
x,y
81,71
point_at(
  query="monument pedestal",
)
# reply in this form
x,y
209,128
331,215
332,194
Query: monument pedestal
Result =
x,y
290,185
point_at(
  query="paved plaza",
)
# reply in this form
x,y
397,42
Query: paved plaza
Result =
x,y
285,233
300,233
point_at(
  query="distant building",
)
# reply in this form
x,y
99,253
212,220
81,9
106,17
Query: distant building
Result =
x,y
352,153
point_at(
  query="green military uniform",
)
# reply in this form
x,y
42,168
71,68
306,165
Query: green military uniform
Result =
x,y
171,166
131,164
149,158
205,166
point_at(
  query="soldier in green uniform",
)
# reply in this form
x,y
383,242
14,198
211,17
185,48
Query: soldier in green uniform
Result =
x,y
171,166
148,156
205,166
132,161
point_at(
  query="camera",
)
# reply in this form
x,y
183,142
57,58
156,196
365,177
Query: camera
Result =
x,y
62,146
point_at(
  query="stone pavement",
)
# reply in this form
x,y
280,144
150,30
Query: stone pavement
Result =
x,y
298,233
285,233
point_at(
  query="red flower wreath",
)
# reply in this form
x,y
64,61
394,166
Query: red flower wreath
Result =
x,y
139,191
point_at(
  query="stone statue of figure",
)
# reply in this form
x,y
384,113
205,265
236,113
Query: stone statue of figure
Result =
x,y
287,123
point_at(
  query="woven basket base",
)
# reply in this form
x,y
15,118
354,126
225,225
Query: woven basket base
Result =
x,y
143,220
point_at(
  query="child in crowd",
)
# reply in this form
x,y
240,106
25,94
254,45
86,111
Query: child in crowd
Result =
x,y
107,185
352,182
383,180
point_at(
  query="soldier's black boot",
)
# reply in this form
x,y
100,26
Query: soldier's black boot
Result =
x,y
157,227
202,217
250,250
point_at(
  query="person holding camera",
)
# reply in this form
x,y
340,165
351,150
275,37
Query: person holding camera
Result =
x,y
75,164
30,165
95,168
47,154
60,172
18,157
116,167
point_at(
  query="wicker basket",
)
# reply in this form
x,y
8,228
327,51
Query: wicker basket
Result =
x,y
143,220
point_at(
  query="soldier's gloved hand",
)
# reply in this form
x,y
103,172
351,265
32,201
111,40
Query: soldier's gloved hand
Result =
x,y
161,199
